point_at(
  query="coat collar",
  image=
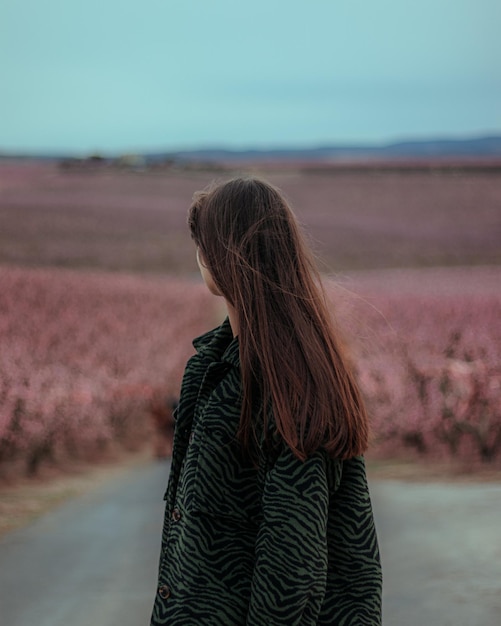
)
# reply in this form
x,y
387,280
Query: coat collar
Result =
x,y
219,345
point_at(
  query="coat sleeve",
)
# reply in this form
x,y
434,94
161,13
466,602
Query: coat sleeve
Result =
x,y
289,576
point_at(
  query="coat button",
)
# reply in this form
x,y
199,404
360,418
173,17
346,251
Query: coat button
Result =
x,y
191,437
176,515
164,592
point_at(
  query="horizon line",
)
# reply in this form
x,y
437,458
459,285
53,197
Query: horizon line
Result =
x,y
256,148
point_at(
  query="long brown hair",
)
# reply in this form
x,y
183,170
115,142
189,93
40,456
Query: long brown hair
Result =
x,y
290,354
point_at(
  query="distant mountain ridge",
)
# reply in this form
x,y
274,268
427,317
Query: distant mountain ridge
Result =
x,y
473,148
489,146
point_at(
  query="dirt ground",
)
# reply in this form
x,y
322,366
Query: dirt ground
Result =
x,y
22,500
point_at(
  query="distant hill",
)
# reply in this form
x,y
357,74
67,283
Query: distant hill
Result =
x,y
435,148
477,148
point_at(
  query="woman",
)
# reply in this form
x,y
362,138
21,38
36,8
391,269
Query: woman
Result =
x,y
268,516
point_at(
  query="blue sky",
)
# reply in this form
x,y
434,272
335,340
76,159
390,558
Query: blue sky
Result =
x,y
118,75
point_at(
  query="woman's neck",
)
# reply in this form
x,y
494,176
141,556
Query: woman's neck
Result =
x,y
232,315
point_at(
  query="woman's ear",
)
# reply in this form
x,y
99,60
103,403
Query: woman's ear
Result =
x,y
200,260
206,275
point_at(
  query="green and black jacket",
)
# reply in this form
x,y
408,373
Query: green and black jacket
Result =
x,y
280,542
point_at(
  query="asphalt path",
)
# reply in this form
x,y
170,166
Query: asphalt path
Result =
x,y
441,553
93,560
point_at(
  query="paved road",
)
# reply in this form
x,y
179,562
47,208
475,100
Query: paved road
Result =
x,y
441,549
92,562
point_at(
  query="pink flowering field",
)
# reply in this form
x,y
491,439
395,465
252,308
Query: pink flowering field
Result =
x,y
82,356
88,354
136,222
427,347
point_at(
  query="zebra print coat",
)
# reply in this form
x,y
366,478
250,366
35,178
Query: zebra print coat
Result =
x,y
275,543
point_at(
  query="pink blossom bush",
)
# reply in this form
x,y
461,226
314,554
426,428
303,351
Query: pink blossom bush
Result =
x,y
84,356
83,353
429,364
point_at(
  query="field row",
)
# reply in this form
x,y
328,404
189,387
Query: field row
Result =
x,y
89,359
136,222
85,357
428,360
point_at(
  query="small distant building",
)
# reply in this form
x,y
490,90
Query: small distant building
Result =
x,y
131,162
